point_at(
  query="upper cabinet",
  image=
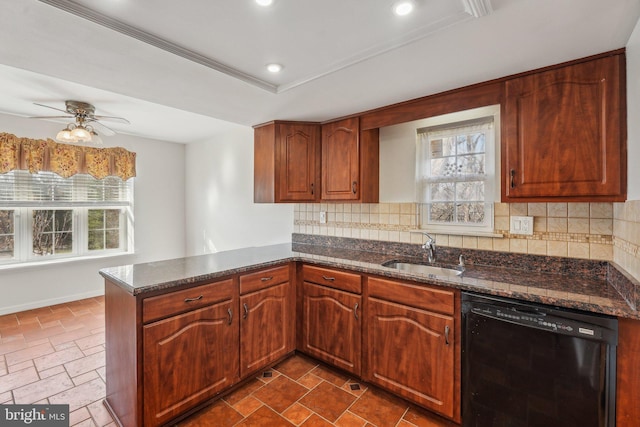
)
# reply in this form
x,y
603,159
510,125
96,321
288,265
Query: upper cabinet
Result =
x,y
564,134
349,162
286,162
304,162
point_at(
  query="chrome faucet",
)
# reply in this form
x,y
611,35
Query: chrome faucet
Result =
x,y
430,247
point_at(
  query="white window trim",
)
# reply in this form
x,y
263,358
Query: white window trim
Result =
x,y
492,169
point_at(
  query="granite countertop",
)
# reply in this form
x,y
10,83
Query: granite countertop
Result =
x,y
586,292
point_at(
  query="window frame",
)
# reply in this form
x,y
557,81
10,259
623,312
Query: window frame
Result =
x,y
492,172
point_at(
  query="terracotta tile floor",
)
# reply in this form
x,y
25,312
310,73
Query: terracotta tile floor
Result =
x,y
56,355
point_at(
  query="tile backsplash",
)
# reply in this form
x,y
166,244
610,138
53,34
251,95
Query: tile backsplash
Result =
x,y
576,230
626,236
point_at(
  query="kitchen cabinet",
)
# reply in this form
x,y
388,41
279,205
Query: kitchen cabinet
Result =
x,y
199,348
564,133
267,318
412,346
331,317
286,162
350,162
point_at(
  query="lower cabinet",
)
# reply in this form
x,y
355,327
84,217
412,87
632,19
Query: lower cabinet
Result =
x,y
188,359
412,344
331,317
267,319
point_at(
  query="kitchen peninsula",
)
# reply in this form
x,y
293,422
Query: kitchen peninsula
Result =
x,y
186,316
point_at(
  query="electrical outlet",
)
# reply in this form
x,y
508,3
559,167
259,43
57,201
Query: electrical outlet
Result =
x,y
521,225
323,217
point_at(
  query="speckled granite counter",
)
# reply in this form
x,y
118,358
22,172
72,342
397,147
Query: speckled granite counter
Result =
x,y
590,292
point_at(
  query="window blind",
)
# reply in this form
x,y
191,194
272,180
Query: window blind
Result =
x,y
21,188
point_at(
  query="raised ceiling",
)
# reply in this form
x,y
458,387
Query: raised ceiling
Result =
x,y
208,57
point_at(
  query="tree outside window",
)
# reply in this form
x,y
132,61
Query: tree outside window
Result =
x,y
104,229
7,234
52,232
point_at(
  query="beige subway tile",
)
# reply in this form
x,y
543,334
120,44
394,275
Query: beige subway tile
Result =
x,y
455,241
347,217
355,208
384,218
394,236
339,217
537,247
501,209
364,233
405,237
557,210
578,250
408,208
384,208
374,218
394,208
339,207
557,225
555,248
537,209
355,233
315,229
346,207
383,235
633,232
601,252
365,218
346,232
620,228
540,224
601,210
417,238
518,246
441,239
578,210
296,228
374,234
485,243
394,219
316,207
518,209
618,210
375,208
365,208
578,225
501,245
501,223
469,242
331,231
331,208
407,220
339,232
601,226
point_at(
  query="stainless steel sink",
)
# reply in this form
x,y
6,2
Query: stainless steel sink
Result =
x,y
410,267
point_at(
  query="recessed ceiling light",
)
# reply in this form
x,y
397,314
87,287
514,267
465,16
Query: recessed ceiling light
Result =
x,y
403,8
264,2
274,68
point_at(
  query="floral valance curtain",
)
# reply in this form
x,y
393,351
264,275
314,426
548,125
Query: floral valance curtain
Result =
x,y
36,155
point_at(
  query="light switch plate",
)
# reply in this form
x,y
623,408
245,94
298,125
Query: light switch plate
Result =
x,y
521,225
323,217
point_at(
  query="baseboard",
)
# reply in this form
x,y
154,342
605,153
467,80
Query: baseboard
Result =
x,y
47,302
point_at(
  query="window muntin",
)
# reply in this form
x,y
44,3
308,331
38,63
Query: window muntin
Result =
x,y
7,234
104,229
51,232
456,171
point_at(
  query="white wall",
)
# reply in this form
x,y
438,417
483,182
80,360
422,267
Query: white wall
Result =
x,y
219,197
159,223
633,114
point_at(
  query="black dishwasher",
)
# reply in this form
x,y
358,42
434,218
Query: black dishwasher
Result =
x,y
531,365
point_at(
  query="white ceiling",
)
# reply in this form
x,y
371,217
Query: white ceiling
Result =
x,y
340,56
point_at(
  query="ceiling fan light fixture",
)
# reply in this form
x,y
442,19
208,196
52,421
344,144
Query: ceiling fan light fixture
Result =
x,y
403,8
80,134
65,135
95,138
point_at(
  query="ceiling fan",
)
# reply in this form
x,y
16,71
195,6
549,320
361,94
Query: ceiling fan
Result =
x,y
86,122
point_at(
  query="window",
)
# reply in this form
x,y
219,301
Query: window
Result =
x,y
44,216
456,171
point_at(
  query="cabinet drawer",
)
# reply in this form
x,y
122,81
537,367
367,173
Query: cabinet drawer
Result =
x,y
432,299
263,279
334,279
188,299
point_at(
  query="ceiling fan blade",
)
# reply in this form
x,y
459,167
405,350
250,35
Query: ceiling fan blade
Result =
x,y
100,128
52,117
53,108
112,119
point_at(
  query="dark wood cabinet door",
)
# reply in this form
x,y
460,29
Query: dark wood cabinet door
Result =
x,y
298,162
332,329
266,327
341,160
411,353
188,359
564,134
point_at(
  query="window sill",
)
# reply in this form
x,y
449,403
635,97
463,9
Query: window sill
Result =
x,y
57,261
460,233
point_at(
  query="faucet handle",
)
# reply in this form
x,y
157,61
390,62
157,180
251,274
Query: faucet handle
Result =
x,y
461,261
